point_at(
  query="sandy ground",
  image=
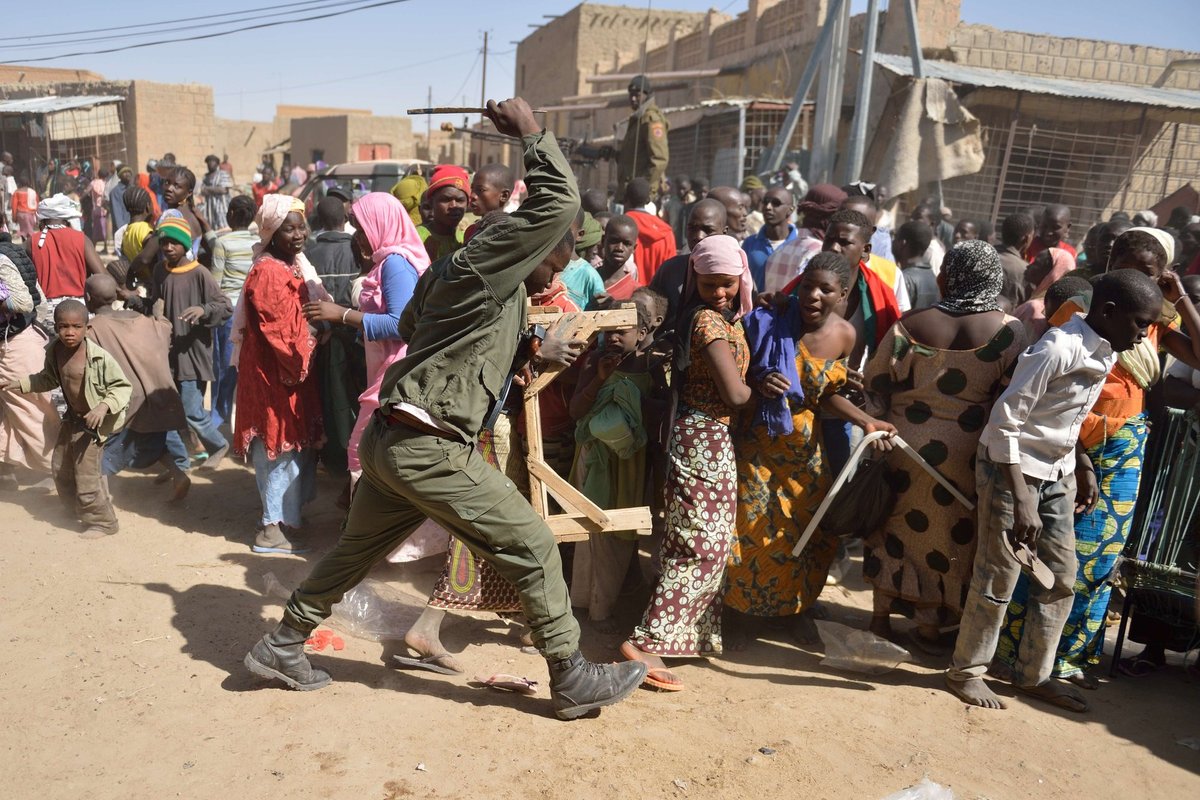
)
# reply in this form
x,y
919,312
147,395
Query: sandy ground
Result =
x,y
124,679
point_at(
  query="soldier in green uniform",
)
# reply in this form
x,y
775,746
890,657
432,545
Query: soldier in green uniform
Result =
x,y
643,152
418,454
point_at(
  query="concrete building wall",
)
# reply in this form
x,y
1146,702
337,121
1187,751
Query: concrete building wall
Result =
x,y
554,60
20,73
288,111
170,117
395,132
765,48
1078,59
244,141
339,138
329,134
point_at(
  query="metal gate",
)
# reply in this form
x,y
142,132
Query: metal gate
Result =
x,y
1030,165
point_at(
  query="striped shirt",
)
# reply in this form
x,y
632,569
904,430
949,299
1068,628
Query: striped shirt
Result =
x,y
216,206
232,257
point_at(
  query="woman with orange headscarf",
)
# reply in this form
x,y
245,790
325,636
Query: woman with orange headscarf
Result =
x,y
143,180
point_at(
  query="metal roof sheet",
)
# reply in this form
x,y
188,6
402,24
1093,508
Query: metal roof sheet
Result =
x,y
53,103
1060,87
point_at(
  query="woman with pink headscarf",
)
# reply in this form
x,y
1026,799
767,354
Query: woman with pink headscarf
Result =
x,y
684,616
278,421
1047,267
385,236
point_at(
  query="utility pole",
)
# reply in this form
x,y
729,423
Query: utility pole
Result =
x,y
429,125
482,98
483,81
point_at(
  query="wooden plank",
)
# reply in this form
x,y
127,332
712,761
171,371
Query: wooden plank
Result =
x,y
582,517
566,494
623,316
533,440
574,528
578,326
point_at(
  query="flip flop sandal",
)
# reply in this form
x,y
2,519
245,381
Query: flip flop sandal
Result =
x,y
1031,565
508,683
430,663
659,683
1063,699
1137,667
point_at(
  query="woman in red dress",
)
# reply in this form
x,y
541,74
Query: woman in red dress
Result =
x,y
278,420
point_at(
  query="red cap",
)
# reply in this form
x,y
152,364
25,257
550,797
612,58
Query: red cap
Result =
x,y
450,175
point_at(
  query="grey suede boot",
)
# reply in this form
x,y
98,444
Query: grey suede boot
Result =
x,y
578,686
280,654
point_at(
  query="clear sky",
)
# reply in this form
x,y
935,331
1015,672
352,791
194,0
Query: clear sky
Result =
x,y
386,59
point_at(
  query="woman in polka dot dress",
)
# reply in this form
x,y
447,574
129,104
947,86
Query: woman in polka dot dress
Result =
x,y
936,375
684,616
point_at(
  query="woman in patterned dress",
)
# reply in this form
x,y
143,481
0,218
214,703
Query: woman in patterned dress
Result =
x,y
684,615
936,375
799,349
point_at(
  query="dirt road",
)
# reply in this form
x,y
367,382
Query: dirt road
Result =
x,y
124,679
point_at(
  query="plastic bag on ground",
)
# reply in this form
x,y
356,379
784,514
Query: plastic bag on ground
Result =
x,y
859,651
925,790
371,610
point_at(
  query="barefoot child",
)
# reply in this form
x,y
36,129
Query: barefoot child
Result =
x,y
97,393
1026,478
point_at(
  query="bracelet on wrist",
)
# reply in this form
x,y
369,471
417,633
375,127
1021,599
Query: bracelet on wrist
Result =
x,y
344,314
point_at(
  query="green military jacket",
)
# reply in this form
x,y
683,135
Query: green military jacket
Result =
x,y
103,382
644,151
468,309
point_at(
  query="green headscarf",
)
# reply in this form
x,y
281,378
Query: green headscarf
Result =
x,y
589,236
408,191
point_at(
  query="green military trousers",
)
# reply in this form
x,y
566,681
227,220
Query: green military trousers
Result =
x,y
409,475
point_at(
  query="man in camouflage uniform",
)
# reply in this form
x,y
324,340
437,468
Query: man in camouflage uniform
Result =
x,y
643,152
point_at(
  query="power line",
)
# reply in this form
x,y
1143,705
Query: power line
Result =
x,y
162,23
246,16
478,55
345,78
214,35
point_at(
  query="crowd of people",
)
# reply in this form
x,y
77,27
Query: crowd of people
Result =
x,y
381,336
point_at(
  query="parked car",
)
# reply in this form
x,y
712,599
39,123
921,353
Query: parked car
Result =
x,y
360,177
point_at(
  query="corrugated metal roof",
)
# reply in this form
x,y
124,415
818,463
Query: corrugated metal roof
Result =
x,y
51,104
1059,87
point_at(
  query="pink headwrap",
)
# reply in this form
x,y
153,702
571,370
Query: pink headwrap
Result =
x,y
722,255
389,229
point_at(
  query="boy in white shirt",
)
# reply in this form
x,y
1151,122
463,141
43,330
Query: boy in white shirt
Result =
x,y
1025,476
